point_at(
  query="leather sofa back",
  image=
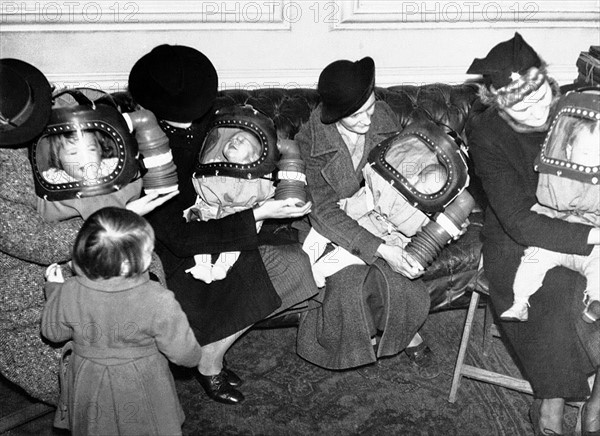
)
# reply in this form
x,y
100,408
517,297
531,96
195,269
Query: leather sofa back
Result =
x,y
289,108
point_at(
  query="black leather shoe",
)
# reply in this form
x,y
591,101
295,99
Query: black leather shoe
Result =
x,y
424,360
232,378
217,388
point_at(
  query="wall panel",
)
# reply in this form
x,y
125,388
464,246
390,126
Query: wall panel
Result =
x,y
287,43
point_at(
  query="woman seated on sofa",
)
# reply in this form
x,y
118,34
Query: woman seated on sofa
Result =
x,y
505,136
375,309
179,85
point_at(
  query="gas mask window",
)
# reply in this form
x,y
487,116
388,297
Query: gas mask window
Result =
x,y
85,156
575,140
571,148
417,164
424,164
233,145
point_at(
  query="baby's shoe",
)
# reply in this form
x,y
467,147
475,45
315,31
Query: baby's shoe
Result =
x,y
516,312
202,269
219,272
591,313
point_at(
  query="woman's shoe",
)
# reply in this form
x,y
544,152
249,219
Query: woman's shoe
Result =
x,y
534,416
580,427
218,388
424,359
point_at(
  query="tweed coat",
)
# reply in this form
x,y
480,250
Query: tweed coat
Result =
x,y
548,344
28,245
123,330
336,335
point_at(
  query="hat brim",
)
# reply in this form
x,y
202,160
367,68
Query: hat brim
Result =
x,y
41,92
365,69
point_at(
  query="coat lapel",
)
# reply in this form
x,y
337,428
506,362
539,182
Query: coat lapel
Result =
x,y
338,169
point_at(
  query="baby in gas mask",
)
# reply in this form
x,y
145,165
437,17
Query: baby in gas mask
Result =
x,y
582,148
379,209
83,156
222,196
86,161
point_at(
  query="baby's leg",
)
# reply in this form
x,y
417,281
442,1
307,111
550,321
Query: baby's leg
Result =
x,y
223,264
202,269
325,266
591,270
528,279
333,262
314,245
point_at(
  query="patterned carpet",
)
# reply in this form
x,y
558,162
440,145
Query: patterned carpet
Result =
x,y
286,395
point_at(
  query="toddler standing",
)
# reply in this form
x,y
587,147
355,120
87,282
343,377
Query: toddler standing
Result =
x,y
122,330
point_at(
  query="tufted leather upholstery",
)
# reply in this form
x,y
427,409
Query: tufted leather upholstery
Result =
x,y
451,274
289,108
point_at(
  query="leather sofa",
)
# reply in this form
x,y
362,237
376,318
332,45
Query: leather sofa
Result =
x,y
454,272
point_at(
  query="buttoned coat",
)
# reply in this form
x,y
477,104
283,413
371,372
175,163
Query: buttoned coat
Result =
x,y
336,335
123,330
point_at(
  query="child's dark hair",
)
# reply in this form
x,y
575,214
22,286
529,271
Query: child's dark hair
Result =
x,y
110,238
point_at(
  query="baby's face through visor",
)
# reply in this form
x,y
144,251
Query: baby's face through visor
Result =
x,y
232,145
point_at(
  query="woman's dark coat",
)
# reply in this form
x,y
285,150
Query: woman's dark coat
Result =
x,y
336,335
547,345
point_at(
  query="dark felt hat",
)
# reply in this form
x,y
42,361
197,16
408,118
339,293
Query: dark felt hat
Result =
x,y
176,82
507,59
344,86
25,102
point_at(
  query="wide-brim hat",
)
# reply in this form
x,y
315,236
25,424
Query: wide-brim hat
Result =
x,y
25,102
506,62
176,82
344,86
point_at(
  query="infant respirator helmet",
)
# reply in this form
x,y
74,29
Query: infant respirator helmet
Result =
x,y
228,123
571,148
221,153
59,174
427,167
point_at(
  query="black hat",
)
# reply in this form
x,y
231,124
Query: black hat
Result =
x,y
176,82
25,102
344,86
507,59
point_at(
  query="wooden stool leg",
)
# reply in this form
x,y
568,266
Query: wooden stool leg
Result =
x,y
464,342
488,324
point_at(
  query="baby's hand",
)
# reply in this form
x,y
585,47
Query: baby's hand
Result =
x,y
54,274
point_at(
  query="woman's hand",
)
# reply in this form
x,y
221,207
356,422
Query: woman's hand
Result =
x,y
463,229
149,202
400,261
276,209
